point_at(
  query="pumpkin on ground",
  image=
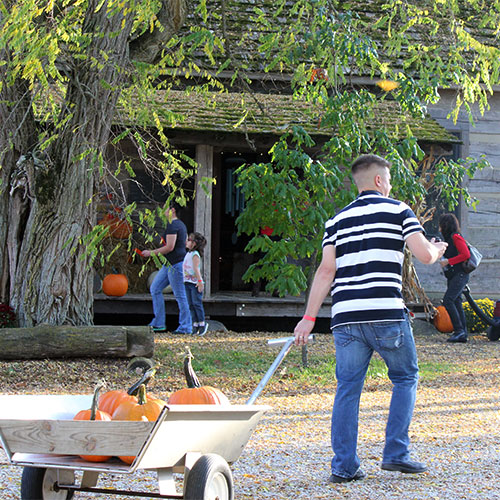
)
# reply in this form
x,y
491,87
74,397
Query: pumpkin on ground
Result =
x,y
196,394
115,285
141,409
442,320
94,414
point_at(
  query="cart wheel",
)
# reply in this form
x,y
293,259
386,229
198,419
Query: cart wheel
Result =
x,y
38,483
209,479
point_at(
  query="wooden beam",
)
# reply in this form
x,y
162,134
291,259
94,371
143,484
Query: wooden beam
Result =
x,y
203,206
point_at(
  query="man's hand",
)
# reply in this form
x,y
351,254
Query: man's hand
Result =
x,y
302,330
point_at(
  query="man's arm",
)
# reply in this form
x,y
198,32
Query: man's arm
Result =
x,y
319,290
424,250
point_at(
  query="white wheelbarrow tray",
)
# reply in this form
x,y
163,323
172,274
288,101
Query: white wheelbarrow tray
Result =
x,y
198,441
178,438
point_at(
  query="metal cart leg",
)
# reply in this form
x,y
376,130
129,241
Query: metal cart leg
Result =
x,y
166,482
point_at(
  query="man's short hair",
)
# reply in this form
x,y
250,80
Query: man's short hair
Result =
x,y
364,162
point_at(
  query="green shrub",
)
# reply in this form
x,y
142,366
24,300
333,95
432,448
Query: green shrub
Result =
x,y
474,323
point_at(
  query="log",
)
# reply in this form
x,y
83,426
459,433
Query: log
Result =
x,y
50,341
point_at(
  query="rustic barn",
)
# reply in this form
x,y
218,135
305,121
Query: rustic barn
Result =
x,y
220,139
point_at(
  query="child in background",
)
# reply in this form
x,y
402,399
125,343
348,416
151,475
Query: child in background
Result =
x,y
194,282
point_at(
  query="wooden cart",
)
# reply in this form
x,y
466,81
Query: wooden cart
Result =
x,y
198,441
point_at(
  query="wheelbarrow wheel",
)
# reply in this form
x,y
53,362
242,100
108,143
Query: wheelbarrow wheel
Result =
x,y
38,483
209,479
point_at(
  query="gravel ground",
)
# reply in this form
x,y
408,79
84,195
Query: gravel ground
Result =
x,y
455,429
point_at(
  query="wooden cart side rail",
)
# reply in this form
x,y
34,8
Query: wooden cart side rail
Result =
x,y
75,437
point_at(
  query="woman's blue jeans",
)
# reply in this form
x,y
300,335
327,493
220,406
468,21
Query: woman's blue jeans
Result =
x,y
170,275
354,345
452,301
195,301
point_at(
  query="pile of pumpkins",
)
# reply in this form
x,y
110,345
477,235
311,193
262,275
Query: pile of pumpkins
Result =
x,y
137,404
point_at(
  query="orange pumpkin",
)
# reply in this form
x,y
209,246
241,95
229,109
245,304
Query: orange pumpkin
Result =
x,y
442,320
111,400
94,414
196,394
115,285
143,409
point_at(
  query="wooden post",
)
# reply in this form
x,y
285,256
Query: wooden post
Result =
x,y
203,206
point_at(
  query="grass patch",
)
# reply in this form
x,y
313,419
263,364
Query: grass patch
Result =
x,y
249,365
431,370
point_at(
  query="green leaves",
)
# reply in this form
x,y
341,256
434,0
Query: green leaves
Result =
x,y
293,194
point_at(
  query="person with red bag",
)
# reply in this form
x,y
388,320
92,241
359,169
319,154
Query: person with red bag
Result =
x,y
456,253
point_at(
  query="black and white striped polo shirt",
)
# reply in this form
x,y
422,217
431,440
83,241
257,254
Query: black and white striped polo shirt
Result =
x,y
369,236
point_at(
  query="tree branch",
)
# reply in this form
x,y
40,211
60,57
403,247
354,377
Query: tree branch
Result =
x,y
171,16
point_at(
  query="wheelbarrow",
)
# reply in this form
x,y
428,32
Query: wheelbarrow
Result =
x,y
198,441
493,332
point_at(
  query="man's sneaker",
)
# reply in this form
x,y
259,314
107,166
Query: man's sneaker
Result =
x,y
408,467
202,329
334,479
178,332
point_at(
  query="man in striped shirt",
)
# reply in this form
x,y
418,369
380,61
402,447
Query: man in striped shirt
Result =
x,y
363,251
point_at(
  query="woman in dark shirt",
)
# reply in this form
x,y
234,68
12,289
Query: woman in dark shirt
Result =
x,y
174,249
456,253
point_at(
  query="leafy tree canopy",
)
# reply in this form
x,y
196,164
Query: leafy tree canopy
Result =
x,y
72,70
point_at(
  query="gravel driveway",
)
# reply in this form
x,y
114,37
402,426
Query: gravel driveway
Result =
x,y
455,429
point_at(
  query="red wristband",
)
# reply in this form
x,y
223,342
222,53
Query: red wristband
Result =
x,y
309,318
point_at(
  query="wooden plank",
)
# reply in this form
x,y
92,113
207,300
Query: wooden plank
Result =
x,y
483,282
488,174
75,437
203,206
250,309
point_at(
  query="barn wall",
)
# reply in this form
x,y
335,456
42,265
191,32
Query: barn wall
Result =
x,y
482,225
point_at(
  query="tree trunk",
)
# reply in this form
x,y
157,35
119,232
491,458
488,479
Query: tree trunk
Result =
x,y
47,197
18,134
50,281
48,341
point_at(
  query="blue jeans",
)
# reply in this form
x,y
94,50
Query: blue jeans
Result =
x,y
195,301
354,345
172,275
452,300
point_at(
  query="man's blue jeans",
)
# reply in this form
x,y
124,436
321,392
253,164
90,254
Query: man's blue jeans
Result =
x,y
170,275
354,345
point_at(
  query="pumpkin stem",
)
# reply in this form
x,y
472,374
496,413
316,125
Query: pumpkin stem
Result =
x,y
141,396
191,378
95,399
146,377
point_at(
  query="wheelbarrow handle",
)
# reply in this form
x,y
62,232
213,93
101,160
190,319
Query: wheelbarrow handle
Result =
x,y
287,344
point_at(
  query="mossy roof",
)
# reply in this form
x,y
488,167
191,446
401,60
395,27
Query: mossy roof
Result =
x,y
235,21
274,114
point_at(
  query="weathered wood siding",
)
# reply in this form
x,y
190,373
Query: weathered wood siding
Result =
x,y
481,226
